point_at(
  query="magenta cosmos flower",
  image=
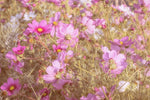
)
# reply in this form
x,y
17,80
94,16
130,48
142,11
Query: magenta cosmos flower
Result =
x,y
67,35
19,49
14,62
58,48
113,63
11,87
39,28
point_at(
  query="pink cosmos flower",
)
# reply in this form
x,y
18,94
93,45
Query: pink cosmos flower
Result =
x,y
114,63
58,48
89,25
14,62
39,28
74,3
100,22
67,35
62,56
19,49
95,1
89,97
140,42
54,72
100,92
12,86
44,93
56,2
147,4
125,9
55,75
26,4
123,43
54,21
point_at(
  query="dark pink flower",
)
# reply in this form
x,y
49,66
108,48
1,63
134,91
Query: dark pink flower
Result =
x,y
58,48
12,86
19,49
39,28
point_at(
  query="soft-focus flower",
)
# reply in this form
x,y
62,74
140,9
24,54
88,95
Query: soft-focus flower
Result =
x,y
64,56
100,92
74,3
100,22
140,42
147,4
114,63
126,10
56,75
123,43
29,16
44,93
123,85
19,49
54,72
56,2
39,28
89,25
67,35
14,62
12,86
86,3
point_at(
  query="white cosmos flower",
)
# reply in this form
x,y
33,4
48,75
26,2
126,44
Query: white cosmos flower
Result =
x,y
98,33
123,85
86,2
29,16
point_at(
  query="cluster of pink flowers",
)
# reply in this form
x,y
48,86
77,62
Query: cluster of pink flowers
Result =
x,y
60,40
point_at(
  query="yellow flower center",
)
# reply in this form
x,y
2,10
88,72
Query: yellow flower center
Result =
x,y
58,75
68,37
44,94
40,30
58,50
55,23
121,42
11,88
31,40
112,65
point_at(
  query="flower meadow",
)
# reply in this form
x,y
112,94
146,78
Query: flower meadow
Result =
x,y
74,50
